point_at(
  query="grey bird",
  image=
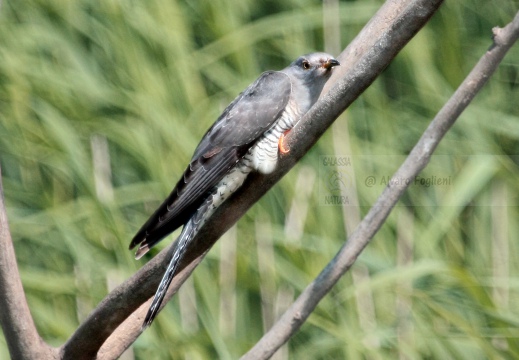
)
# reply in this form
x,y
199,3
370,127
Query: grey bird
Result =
x,y
248,136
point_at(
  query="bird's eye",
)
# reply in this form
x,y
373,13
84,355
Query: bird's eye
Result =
x,y
306,65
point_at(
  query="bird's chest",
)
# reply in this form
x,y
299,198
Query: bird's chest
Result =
x,y
263,156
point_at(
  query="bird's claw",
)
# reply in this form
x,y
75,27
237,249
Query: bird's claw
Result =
x,y
283,148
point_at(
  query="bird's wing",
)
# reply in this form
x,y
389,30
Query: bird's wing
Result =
x,y
241,124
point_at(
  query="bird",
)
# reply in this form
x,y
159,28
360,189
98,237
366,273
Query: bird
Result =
x,y
248,136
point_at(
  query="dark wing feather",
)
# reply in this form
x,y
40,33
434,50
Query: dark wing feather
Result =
x,y
241,124
249,115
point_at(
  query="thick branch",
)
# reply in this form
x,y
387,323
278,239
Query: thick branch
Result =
x,y
17,324
382,38
294,317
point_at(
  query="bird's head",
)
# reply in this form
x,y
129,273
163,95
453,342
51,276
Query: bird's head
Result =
x,y
308,74
314,67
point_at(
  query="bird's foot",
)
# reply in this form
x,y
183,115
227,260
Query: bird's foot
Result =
x,y
283,148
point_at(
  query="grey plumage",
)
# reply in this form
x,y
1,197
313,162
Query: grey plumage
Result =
x,y
244,138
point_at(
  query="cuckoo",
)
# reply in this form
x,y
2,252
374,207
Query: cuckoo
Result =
x,y
248,136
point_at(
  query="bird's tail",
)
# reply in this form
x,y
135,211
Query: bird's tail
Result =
x,y
187,234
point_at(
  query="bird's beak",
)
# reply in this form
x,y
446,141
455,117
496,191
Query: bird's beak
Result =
x,y
330,63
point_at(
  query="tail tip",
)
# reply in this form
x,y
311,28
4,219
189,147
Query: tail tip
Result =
x,y
150,316
145,325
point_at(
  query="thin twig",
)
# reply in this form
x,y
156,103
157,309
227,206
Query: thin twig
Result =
x,y
21,335
292,319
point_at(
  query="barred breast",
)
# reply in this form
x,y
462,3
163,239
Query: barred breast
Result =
x,y
263,156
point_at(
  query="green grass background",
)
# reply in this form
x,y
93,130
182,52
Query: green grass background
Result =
x,y
103,102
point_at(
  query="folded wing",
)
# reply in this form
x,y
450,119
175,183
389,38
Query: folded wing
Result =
x,y
241,124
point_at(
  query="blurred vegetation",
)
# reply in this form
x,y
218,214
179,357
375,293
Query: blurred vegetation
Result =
x,y
103,103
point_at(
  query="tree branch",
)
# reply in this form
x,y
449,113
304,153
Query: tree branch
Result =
x,y
419,157
21,335
379,42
